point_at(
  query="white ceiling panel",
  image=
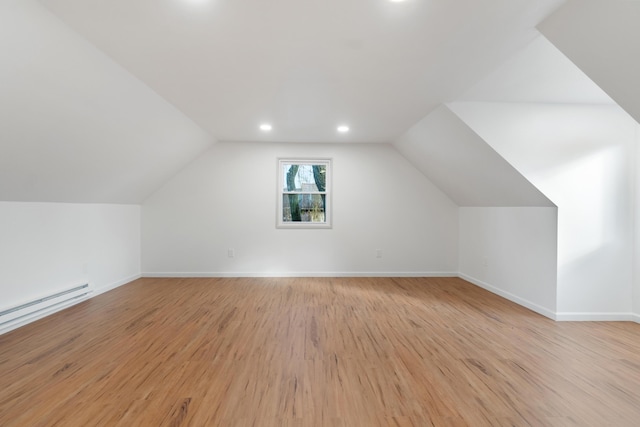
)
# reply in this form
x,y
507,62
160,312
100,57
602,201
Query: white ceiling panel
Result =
x,y
306,66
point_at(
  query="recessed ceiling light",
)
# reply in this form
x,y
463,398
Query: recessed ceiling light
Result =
x,y
266,127
343,129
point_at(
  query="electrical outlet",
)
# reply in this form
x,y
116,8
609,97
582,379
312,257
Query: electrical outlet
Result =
x,y
378,253
231,253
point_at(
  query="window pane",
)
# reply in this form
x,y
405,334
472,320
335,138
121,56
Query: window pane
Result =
x,y
304,199
303,177
303,207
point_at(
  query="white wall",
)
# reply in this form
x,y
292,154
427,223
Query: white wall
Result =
x,y
582,158
636,217
227,199
49,247
512,251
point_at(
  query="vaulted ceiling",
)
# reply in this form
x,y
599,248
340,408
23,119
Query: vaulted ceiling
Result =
x,y
105,100
75,126
306,66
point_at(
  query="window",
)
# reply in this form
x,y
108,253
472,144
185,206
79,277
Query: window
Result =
x,y
304,198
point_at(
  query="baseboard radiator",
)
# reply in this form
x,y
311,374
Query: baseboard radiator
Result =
x,y
13,317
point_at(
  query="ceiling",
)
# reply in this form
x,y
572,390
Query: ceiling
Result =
x,y
459,162
306,66
104,101
602,37
74,125
538,73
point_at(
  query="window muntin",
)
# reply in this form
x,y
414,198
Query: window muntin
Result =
x,y
304,193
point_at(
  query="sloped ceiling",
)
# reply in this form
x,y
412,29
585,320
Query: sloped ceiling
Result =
x,y
602,37
538,98
103,101
537,73
74,125
306,66
463,165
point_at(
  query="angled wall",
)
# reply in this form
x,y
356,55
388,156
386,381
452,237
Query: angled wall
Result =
x,y
582,158
464,166
507,227
602,37
81,133
74,125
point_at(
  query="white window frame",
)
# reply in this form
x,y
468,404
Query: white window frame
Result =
x,y
281,192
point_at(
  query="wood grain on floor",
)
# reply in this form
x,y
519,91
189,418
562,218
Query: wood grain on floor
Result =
x,y
343,352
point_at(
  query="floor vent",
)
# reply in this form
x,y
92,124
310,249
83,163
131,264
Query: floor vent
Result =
x,y
11,318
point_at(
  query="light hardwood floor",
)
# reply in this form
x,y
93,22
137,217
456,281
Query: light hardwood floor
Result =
x,y
315,352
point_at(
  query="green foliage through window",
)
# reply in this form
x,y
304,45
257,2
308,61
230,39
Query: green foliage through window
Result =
x,y
303,185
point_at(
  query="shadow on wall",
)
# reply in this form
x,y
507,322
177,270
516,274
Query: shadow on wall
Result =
x,y
582,158
584,187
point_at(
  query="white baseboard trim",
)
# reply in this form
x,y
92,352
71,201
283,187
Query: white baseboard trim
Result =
x,y
303,274
511,297
59,307
41,314
115,284
635,318
595,317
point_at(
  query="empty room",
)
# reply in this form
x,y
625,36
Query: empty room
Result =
x,y
335,213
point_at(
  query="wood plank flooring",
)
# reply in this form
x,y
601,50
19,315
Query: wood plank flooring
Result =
x,y
298,352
